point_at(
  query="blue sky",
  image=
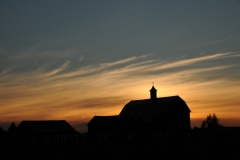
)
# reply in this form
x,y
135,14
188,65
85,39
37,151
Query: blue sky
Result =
x,y
82,58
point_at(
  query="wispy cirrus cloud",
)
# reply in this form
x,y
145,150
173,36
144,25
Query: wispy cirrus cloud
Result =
x,y
207,44
143,67
106,65
57,70
91,69
190,61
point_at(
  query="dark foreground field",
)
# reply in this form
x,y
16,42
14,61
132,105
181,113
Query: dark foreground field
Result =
x,y
194,148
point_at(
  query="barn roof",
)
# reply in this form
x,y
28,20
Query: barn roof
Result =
x,y
47,125
148,108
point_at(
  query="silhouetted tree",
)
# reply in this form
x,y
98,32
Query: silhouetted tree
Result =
x,y
211,122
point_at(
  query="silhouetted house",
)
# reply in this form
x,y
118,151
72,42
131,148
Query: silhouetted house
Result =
x,y
46,131
147,118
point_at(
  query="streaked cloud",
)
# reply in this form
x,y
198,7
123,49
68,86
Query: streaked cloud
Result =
x,y
207,44
57,70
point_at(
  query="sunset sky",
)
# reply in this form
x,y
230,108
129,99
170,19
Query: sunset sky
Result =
x,y
75,59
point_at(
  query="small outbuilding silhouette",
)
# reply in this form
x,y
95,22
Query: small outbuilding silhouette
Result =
x,y
153,118
46,132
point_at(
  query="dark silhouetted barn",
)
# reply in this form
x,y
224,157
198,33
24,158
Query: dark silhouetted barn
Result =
x,y
153,118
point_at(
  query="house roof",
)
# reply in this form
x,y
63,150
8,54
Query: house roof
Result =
x,y
147,108
47,125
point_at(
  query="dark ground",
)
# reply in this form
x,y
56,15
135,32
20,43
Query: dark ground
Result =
x,y
192,148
